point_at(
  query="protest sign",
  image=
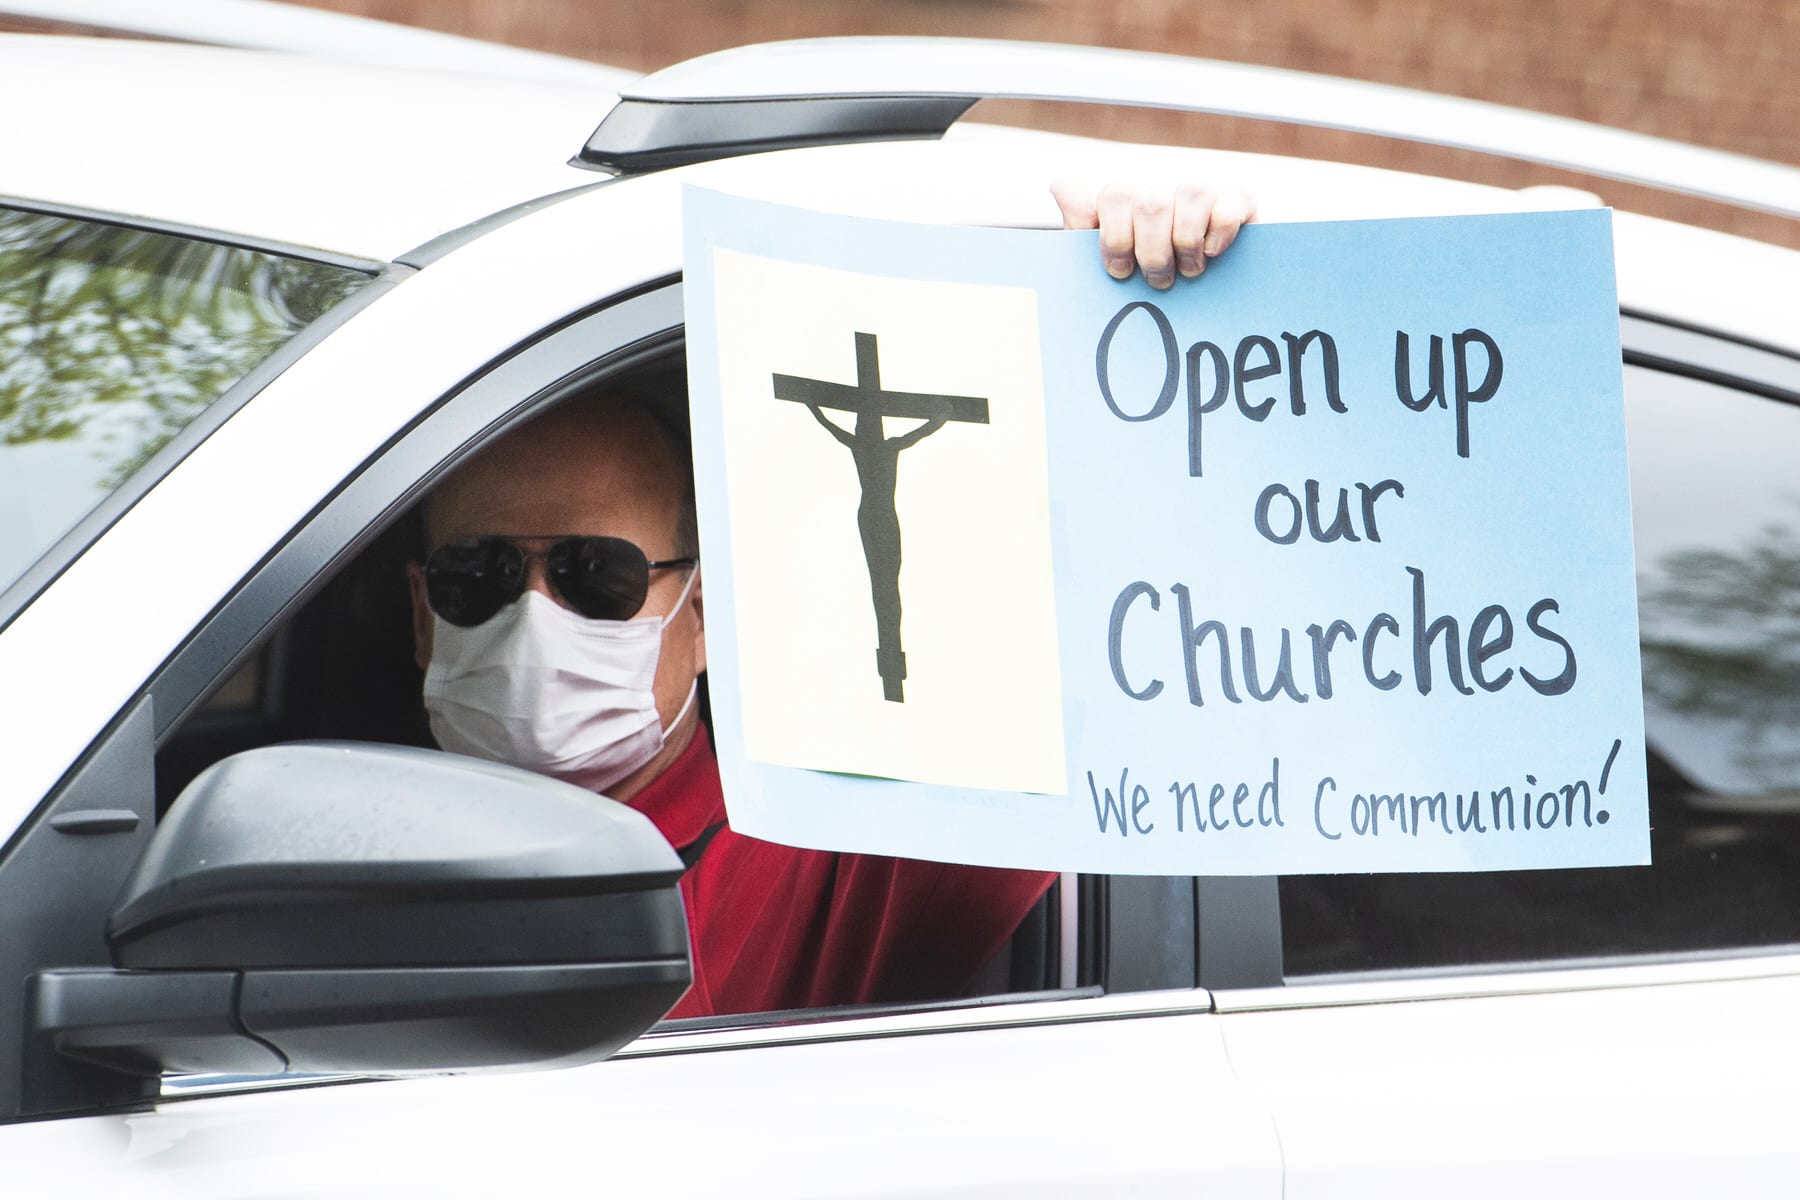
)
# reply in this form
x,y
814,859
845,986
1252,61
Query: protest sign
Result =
x,y
1319,563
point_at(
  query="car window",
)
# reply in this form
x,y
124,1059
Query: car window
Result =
x,y
1718,543
341,665
113,339
1716,511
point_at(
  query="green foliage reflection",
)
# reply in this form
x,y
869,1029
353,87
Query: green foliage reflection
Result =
x,y
117,338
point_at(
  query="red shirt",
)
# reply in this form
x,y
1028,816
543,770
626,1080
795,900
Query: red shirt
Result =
x,y
775,927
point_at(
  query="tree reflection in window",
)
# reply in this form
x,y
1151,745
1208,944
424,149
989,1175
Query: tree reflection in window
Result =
x,y
111,341
1721,642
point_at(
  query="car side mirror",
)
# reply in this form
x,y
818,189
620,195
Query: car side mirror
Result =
x,y
351,908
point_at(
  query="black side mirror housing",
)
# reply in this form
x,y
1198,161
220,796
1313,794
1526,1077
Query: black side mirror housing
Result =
x,y
347,908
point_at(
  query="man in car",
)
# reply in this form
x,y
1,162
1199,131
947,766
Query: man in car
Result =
x,y
559,618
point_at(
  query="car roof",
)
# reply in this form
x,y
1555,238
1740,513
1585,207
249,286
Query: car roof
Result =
x,y
371,162
351,159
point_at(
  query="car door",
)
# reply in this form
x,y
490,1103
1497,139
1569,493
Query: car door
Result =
x,y
1592,1032
1072,1093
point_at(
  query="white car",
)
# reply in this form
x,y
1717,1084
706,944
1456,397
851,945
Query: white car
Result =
x,y
252,305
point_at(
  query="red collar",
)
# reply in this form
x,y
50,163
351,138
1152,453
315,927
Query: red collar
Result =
x,y
685,799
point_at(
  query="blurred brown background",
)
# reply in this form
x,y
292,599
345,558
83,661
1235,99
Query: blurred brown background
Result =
x,y
1719,73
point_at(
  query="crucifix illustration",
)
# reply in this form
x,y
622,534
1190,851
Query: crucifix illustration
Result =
x,y
877,458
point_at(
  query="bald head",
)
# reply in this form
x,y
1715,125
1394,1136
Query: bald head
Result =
x,y
599,460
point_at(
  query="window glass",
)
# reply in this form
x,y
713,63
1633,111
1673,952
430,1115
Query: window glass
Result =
x,y
1716,511
111,341
1718,544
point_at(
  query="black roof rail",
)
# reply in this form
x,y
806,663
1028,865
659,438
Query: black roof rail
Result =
x,y
834,90
648,135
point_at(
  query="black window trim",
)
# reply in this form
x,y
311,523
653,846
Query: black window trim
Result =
x,y
1709,355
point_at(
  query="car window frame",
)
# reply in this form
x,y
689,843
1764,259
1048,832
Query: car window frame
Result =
x,y
1139,933
63,886
1136,934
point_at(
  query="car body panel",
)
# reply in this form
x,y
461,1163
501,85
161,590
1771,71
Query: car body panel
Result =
x,y
1670,1089
1161,1114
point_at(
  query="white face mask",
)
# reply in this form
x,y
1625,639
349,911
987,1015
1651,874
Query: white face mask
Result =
x,y
550,690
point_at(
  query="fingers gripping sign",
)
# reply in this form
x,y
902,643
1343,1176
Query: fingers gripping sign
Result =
x,y
1159,230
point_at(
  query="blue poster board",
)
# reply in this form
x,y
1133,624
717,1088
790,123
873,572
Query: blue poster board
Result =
x,y
1319,563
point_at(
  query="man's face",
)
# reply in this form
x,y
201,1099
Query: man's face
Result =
x,y
589,470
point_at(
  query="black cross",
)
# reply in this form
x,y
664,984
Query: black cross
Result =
x,y
877,459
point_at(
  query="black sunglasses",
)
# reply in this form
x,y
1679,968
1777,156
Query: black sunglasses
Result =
x,y
604,578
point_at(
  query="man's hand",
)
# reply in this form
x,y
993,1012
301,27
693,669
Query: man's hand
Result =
x,y
1160,230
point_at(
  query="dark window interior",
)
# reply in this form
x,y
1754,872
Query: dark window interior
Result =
x,y
1716,510
341,668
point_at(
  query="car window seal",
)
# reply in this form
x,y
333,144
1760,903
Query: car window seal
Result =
x,y
1712,375
1713,332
